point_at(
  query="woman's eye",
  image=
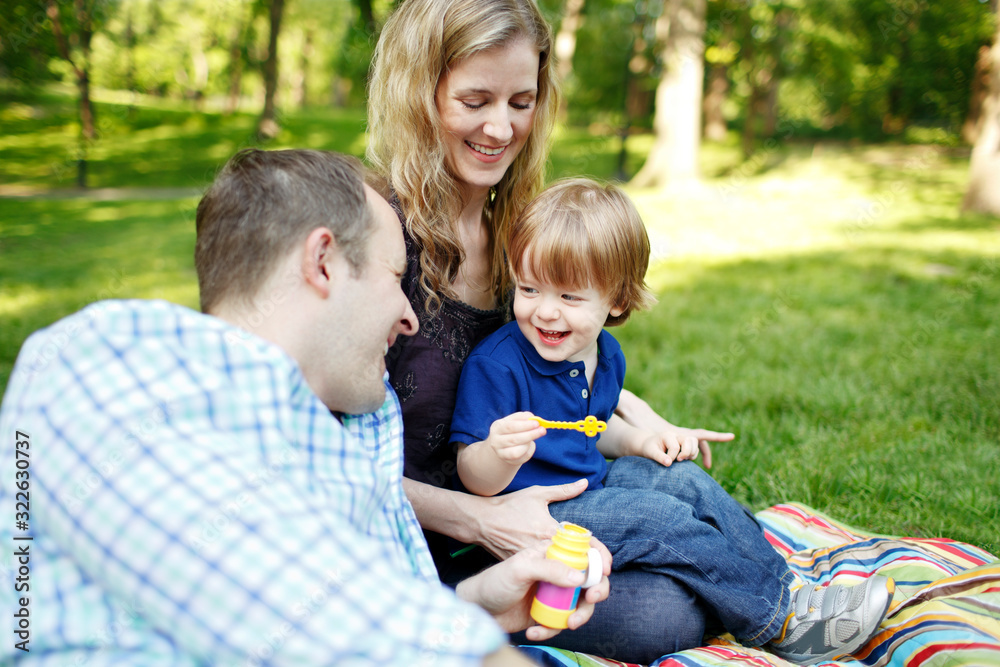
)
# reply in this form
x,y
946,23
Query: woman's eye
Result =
x,y
521,106
473,105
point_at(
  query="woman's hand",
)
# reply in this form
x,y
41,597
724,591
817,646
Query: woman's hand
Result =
x,y
512,522
507,589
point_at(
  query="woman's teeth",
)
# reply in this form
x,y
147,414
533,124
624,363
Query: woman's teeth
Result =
x,y
484,150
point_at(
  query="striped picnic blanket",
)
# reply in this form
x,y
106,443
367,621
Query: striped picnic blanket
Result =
x,y
946,609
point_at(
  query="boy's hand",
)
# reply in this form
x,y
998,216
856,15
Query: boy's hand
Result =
x,y
666,447
513,437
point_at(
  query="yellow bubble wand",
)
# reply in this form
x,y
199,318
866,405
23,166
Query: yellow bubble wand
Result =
x,y
590,426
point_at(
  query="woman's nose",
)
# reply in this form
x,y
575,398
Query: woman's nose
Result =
x,y
498,125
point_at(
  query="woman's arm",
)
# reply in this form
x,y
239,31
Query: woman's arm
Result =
x,y
503,525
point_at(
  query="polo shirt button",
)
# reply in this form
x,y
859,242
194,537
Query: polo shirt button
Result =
x,y
584,393
573,373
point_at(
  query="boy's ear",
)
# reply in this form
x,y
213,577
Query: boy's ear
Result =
x,y
616,311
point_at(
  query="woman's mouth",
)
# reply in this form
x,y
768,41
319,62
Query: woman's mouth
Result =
x,y
486,150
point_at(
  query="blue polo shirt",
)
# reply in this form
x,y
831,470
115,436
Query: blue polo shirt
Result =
x,y
504,375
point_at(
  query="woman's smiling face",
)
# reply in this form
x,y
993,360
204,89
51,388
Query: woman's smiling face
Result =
x,y
487,107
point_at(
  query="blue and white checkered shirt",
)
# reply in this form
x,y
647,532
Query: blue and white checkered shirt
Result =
x,y
193,502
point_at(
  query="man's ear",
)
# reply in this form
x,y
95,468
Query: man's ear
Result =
x,y
318,259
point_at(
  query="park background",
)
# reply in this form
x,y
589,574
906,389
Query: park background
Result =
x,y
824,224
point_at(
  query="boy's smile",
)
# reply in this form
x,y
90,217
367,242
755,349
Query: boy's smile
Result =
x,y
561,323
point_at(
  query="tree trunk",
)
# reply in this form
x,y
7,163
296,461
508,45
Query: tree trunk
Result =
x,y
977,95
366,16
81,70
677,122
130,42
235,67
772,88
300,87
983,195
715,97
200,69
566,45
718,89
267,126
753,101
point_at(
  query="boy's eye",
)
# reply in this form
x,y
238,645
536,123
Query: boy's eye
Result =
x,y
528,290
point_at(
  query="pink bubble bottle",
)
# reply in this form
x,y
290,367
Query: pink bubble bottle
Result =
x,y
553,604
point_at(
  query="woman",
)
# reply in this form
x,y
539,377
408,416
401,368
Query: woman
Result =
x,y
461,105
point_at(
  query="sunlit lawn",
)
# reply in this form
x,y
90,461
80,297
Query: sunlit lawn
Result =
x,y
144,142
826,304
840,317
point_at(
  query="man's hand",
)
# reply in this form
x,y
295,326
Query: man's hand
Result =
x,y
507,589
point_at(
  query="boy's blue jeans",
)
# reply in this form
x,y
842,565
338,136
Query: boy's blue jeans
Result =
x,y
679,522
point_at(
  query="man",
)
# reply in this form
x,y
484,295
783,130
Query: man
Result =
x,y
193,499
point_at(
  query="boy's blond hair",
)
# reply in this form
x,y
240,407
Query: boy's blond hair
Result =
x,y
579,232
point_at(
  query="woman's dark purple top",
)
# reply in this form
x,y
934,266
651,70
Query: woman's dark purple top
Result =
x,y
424,370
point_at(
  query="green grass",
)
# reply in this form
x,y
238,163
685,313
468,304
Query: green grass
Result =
x,y
826,304
146,142
836,313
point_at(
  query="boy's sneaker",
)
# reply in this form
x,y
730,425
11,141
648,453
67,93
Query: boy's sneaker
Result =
x,y
828,622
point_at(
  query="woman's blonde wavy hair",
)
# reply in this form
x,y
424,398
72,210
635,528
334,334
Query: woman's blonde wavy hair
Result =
x,y
419,42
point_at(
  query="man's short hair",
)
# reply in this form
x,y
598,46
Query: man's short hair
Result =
x,y
579,232
262,204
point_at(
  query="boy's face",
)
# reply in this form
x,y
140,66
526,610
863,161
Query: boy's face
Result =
x,y
562,324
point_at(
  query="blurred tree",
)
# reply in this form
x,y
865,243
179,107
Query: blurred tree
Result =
x,y
237,55
267,125
355,54
983,194
765,36
26,41
673,158
565,47
596,92
977,95
73,29
720,53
